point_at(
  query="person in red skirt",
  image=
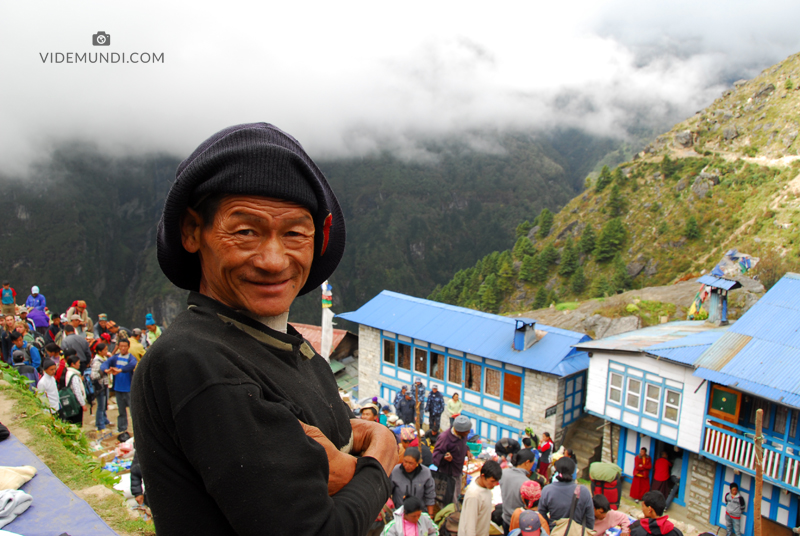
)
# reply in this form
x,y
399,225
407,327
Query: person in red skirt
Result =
x,y
546,450
641,475
661,474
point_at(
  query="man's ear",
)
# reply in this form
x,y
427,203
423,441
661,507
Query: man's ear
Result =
x,y
191,227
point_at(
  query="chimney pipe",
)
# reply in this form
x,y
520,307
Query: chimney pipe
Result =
x,y
524,335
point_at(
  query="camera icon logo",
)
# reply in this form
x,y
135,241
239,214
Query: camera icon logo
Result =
x,y
101,39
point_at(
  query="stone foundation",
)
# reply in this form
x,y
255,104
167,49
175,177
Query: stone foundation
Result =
x,y
700,492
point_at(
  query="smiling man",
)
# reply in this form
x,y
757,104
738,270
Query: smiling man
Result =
x,y
239,425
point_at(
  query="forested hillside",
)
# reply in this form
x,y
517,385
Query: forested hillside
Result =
x,y
725,178
83,225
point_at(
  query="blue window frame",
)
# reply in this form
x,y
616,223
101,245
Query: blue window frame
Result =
x,y
654,400
491,430
493,385
574,390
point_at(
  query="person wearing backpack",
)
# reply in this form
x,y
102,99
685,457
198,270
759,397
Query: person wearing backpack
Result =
x,y
556,501
25,370
735,506
34,357
8,299
100,380
74,381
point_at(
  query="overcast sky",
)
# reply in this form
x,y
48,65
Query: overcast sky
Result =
x,y
350,77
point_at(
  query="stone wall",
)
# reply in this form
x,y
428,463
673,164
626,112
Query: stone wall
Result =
x,y
541,392
369,361
700,492
610,442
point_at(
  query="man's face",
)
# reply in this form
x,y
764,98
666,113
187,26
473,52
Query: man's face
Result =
x,y
414,517
51,370
102,323
23,315
490,482
151,327
599,514
734,491
75,323
123,347
367,415
19,342
256,255
113,329
409,463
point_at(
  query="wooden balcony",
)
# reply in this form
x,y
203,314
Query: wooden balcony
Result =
x,y
733,445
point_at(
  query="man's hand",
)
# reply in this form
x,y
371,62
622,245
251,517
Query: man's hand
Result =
x,y
376,441
341,466
140,499
448,457
84,407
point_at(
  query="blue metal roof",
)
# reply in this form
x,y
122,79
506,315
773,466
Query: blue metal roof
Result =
x,y
687,349
649,337
760,353
474,332
718,282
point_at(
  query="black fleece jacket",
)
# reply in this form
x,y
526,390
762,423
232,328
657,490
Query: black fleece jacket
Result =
x,y
216,404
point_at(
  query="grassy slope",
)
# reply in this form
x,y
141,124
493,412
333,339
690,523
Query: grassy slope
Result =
x,y
746,138
65,451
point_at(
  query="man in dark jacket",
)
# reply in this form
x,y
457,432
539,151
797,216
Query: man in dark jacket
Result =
x,y
240,428
405,409
77,343
451,447
557,497
654,523
435,408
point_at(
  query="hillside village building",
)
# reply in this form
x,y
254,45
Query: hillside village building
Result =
x,y
692,389
510,373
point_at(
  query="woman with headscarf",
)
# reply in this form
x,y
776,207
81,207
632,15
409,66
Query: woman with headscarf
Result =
x,y
530,492
411,479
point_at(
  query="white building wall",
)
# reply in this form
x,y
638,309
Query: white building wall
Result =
x,y
692,403
369,361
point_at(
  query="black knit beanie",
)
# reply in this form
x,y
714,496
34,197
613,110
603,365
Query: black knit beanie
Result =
x,y
250,159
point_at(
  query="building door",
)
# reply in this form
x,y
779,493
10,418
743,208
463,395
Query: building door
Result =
x,y
574,390
777,506
630,443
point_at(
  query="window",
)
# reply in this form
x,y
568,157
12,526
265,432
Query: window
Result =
x,y
512,388
615,388
780,419
437,366
472,381
491,382
634,394
388,352
403,356
759,403
652,398
421,360
454,372
672,405
793,424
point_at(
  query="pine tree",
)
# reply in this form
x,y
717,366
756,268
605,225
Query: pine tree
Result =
x,y
577,282
524,228
539,272
527,268
603,180
549,256
611,240
552,298
545,222
616,205
523,247
569,259
588,239
620,280
489,294
668,167
692,230
505,277
540,300
618,176
600,287
490,264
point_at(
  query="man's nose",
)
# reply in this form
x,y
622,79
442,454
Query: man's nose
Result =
x,y
272,256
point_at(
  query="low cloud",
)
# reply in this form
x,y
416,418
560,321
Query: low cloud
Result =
x,y
357,78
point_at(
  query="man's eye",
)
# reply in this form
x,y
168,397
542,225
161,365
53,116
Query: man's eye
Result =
x,y
245,232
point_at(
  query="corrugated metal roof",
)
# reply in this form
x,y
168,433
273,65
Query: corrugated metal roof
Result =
x,y
762,349
470,331
313,334
638,340
718,282
687,349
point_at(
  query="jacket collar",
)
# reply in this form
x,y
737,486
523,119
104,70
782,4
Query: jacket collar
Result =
x,y
291,341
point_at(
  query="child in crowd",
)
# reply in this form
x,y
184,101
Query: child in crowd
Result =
x,y
606,518
100,381
47,385
410,520
74,380
654,521
735,506
25,370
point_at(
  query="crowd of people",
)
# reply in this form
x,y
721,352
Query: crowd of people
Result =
x,y
75,364
537,485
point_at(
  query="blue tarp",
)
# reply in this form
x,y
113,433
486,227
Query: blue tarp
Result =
x,y
55,508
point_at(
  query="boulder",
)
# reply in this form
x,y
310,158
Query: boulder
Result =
x,y
749,284
684,138
596,324
532,234
634,268
567,229
651,269
622,325
700,187
764,90
730,132
739,83
682,184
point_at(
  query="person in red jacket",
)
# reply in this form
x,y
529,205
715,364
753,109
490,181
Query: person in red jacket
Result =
x,y
641,475
654,522
546,449
661,474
